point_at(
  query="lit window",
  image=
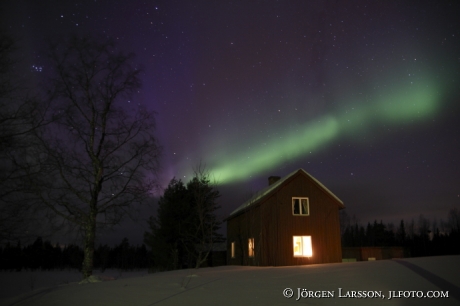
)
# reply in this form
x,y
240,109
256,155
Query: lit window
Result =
x,y
251,247
233,249
302,246
300,207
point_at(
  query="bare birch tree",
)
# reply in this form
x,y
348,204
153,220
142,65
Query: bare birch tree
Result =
x,y
101,156
201,233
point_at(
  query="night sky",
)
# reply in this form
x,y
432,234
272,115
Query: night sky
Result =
x,y
363,95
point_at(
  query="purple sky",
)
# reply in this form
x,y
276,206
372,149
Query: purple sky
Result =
x,y
363,95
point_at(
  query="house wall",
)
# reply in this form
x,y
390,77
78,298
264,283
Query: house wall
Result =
x,y
273,226
322,225
239,230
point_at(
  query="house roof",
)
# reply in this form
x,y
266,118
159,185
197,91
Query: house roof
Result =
x,y
267,190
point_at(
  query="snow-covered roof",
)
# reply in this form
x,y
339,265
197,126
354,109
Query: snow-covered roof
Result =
x,y
262,193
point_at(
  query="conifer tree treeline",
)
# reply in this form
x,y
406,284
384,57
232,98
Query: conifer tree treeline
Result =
x,y
45,256
421,238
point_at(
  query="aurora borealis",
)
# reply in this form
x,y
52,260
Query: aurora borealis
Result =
x,y
414,104
363,95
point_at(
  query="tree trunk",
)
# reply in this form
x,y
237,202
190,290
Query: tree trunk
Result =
x,y
90,235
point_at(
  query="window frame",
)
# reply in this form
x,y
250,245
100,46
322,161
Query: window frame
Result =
x,y
251,251
300,206
305,250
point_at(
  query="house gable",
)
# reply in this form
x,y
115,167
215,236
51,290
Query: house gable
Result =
x,y
271,189
270,219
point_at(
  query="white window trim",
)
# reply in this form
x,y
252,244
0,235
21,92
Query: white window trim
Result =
x,y
308,206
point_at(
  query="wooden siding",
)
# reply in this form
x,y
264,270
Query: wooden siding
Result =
x,y
239,230
272,225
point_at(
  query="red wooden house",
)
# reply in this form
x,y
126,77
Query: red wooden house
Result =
x,y
293,221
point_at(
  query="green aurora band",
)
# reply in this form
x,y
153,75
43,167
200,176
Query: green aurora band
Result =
x,y
404,106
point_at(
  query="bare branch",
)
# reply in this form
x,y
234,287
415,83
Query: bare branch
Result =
x,y
101,156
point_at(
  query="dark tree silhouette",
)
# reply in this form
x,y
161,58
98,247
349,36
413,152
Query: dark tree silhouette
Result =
x,y
20,116
101,156
423,239
164,239
454,220
185,229
41,254
201,232
401,236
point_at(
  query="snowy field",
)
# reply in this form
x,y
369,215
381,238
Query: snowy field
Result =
x,y
328,284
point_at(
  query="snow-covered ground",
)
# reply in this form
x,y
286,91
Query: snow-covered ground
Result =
x,y
328,284
28,282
